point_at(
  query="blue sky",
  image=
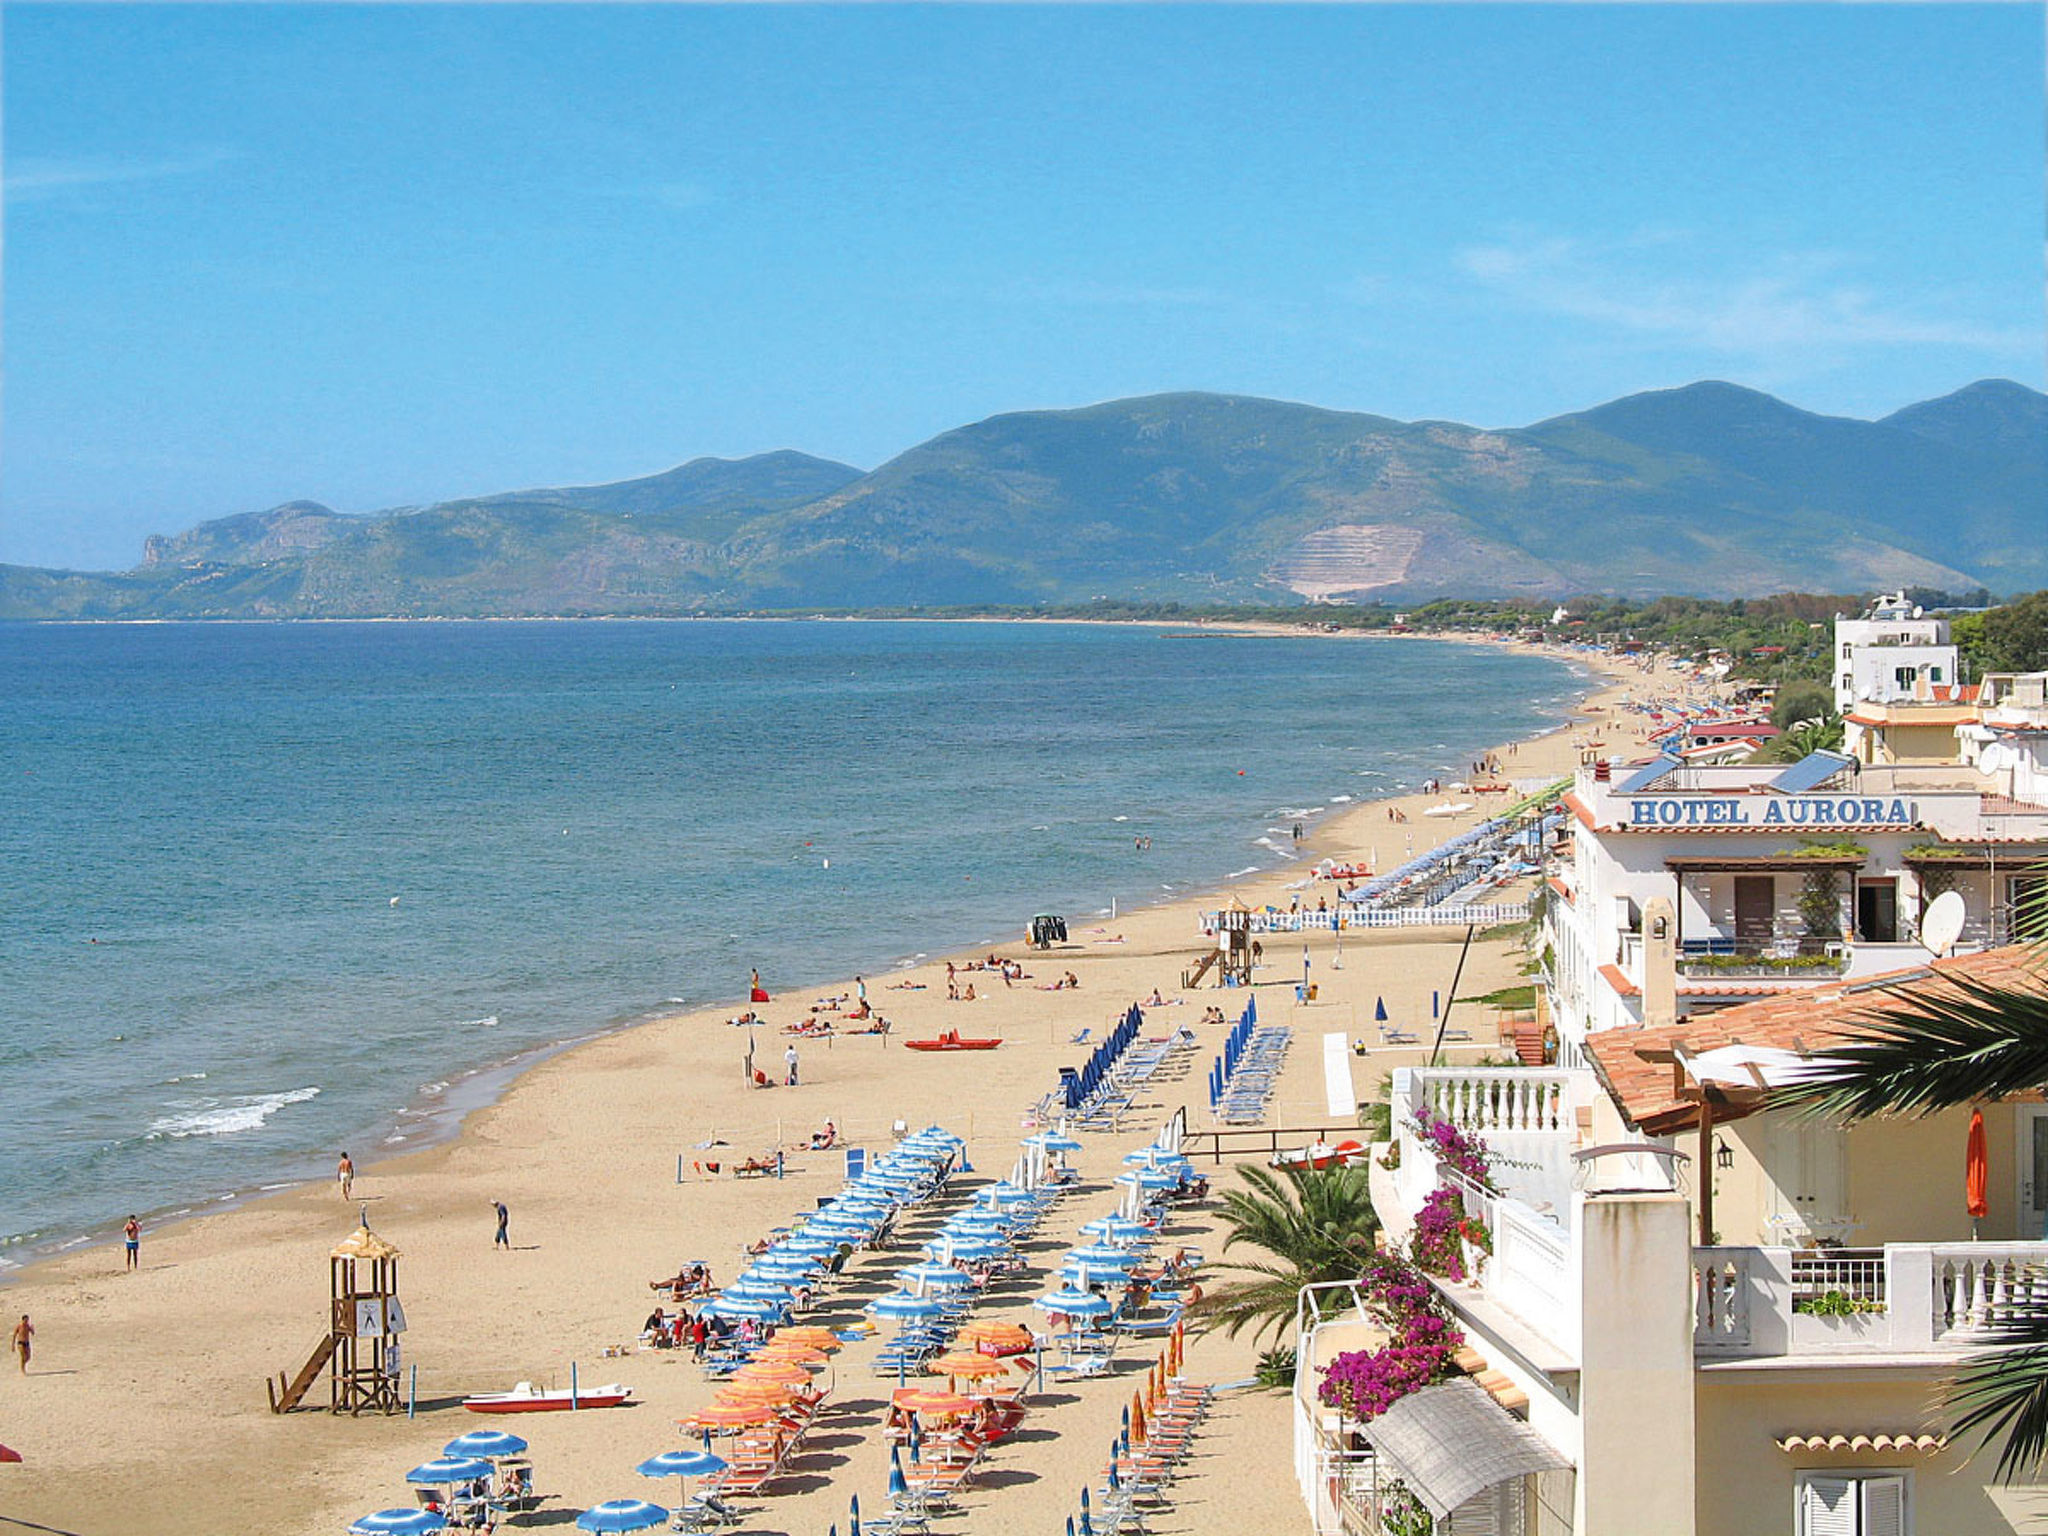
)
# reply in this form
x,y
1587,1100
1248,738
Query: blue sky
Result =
x,y
375,255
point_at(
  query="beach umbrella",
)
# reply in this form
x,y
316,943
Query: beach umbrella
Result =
x,y
622,1515
745,1306
951,1245
981,1223
996,1338
399,1522
931,1400
899,1488
1379,1010
682,1465
776,1372
1118,1229
811,1335
794,1351
1103,1254
787,1266
1073,1303
753,1394
728,1416
806,1243
487,1443
902,1304
1087,1529
449,1469
1053,1141
8,1453
1070,1525
1137,1426
932,1277
966,1362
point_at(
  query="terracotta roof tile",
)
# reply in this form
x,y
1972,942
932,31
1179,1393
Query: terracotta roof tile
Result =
x,y
1810,1016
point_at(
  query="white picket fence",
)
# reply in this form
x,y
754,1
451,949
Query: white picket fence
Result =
x,y
1382,917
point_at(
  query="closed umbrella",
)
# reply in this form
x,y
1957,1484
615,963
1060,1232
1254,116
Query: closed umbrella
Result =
x,y
622,1515
1977,1173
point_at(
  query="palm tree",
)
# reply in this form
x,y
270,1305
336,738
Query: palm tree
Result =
x,y
1318,1224
1973,1041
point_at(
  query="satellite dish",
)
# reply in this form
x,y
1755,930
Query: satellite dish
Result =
x,y
1943,924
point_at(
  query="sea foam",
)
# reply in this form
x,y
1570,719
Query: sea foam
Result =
x,y
225,1117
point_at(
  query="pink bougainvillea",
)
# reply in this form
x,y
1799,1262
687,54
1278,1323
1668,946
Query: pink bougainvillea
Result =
x,y
1367,1382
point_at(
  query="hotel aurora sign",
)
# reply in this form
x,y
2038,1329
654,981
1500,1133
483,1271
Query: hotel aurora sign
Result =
x,y
1771,811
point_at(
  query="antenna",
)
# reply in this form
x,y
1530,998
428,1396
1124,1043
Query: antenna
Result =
x,y
1943,924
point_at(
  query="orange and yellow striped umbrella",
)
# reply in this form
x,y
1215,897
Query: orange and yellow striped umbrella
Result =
x,y
728,1416
785,1372
813,1334
967,1362
773,1393
938,1404
795,1354
996,1337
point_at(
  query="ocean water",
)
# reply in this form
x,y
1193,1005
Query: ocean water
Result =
x,y
269,891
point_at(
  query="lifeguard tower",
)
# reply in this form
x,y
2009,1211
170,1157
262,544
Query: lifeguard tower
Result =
x,y
364,1322
1231,959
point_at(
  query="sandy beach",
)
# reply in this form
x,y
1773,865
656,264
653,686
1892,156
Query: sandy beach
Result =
x,y
144,1407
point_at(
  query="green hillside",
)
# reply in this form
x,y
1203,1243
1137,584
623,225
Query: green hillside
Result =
x,y
1709,490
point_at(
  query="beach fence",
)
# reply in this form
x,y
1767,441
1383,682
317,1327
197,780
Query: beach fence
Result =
x,y
1443,916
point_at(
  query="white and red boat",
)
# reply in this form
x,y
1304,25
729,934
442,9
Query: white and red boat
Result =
x,y
526,1398
1322,1155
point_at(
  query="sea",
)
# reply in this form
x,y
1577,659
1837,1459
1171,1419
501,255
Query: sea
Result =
x,y
272,891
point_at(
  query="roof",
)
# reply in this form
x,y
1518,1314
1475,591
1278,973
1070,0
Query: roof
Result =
x,y
1901,1440
1649,1094
363,1244
1451,1442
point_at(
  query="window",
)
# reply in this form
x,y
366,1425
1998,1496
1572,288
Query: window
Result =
x,y
1853,1504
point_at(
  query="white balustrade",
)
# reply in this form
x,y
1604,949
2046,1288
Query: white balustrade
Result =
x,y
1488,1101
1978,1287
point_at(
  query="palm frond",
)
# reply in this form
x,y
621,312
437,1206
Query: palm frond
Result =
x,y
1972,1042
2003,1394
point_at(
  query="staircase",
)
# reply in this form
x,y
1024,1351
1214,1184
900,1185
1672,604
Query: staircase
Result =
x,y
284,1397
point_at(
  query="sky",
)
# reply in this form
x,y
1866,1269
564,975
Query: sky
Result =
x,y
382,255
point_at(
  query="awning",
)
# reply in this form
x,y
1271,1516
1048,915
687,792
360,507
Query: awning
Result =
x,y
1885,1443
1450,1443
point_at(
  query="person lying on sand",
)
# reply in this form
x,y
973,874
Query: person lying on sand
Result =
x,y
820,1140
907,986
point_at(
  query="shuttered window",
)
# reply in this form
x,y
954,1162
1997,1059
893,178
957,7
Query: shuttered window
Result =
x,y
1834,1504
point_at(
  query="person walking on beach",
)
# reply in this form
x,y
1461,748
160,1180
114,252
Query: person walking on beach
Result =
x,y
23,1332
500,1240
131,1239
345,1175
789,1061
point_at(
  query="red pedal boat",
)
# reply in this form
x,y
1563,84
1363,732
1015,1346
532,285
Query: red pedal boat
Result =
x,y
525,1398
951,1041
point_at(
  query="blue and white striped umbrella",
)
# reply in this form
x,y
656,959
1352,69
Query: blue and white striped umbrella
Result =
x,y
449,1469
622,1515
487,1443
1118,1229
744,1306
903,1304
1073,1303
399,1522
1103,1254
690,1463
960,1245
1053,1141
931,1277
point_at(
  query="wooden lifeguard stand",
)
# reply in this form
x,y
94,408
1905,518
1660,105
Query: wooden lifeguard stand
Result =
x,y
364,1322
1234,943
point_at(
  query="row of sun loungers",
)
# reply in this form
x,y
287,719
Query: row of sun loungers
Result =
x,y
1253,1079
1139,1472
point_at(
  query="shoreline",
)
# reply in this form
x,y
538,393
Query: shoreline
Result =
x,y
438,1121
130,1405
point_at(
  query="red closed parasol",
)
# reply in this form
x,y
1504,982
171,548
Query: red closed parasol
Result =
x,y
1977,1170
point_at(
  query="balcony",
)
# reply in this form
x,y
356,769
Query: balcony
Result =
x,y
1901,1299
1776,959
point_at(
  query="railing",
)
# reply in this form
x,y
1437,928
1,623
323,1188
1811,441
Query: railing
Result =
x,y
1532,1273
1490,916
1778,961
1239,1142
1491,1100
1905,1297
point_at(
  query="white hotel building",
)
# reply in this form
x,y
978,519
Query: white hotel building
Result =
x,y
1698,1314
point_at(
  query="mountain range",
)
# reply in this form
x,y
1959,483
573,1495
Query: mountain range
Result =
x,y
1712,489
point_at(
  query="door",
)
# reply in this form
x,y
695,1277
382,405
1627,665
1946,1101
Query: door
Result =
x,y
1877,911
2030,1166
1756,908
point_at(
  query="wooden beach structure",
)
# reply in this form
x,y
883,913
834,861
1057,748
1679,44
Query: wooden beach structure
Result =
x,y
360,1351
